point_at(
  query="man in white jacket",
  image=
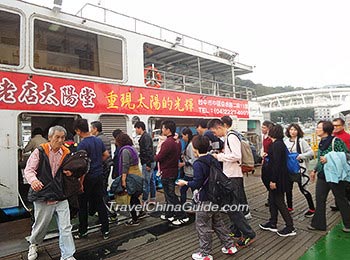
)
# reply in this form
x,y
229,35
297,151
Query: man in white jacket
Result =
x,y
231,158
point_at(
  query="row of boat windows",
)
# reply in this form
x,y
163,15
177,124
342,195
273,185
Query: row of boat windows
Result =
x,y
61,48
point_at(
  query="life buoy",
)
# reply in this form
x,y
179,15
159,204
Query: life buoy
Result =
x,y
153,78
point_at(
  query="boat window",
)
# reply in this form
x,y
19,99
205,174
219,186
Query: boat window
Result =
x,y
64,49
9,38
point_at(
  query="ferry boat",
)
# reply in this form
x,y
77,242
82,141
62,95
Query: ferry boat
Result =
x,y
102,65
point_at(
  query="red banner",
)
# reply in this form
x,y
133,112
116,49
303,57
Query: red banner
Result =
x,y
41,93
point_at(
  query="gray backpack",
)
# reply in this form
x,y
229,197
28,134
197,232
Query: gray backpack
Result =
x,y
247,161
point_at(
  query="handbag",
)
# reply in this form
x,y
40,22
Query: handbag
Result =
x,y
293,166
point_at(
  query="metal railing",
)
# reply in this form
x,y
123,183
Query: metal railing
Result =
x,y
110,17
179,82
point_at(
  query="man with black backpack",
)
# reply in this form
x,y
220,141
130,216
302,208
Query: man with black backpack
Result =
x,y
231,158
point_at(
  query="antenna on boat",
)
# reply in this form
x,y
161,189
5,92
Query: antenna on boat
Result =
x,y
57,5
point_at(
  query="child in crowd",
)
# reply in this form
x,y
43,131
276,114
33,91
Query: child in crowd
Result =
x,y
206,221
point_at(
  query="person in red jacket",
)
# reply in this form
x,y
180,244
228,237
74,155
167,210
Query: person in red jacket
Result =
x,y
266,142
339,131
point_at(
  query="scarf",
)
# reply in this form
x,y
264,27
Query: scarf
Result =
x,y
325,143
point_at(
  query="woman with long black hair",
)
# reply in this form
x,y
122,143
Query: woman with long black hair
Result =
x,y
296,143
188,159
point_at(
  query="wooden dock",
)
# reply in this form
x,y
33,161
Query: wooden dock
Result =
x,y
153,239
182,242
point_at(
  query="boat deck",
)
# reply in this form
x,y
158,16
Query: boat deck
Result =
x,y
154,239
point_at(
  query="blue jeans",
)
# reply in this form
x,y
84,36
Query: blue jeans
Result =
x,y
147,180
43,214
183,190
152,186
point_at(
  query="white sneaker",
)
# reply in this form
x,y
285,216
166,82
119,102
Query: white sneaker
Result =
x,y
248,216
181,221
200,256
229,251
69,258
163,217
32,252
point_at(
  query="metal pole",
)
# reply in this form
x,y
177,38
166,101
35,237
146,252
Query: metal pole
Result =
x,y
199,75
233,82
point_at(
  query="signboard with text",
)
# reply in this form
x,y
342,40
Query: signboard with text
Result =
x,y
42,93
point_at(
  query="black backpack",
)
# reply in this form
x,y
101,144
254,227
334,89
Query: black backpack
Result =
x,y
220,190
78,163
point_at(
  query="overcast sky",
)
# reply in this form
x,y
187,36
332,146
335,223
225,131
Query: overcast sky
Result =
x,y
301,43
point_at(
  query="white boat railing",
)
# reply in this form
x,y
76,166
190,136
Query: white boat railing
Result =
x,y
113,18
179,82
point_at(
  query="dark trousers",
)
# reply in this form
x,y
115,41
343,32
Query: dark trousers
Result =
x,y
241,194
265,178
92,197
239,225
134,200
347,192
306,193
277,203
106,173
183,190
171,198
322,190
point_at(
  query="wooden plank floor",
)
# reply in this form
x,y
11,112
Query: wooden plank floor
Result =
x,y
180,243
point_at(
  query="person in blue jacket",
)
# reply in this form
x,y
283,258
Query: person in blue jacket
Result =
x,y
206,221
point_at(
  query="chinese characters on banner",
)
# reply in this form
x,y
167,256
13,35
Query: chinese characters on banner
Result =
x,y
56,94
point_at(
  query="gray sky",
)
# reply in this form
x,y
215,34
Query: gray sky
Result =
x,y
302,43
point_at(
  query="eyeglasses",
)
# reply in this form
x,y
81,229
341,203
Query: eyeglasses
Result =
x,y
337,125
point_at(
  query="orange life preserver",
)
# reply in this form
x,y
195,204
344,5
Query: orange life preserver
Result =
x,y
153,78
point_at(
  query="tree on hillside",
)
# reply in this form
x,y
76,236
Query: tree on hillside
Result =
x,y
291,116
262,90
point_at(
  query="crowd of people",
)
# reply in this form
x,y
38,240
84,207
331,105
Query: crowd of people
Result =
x,y
186,166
